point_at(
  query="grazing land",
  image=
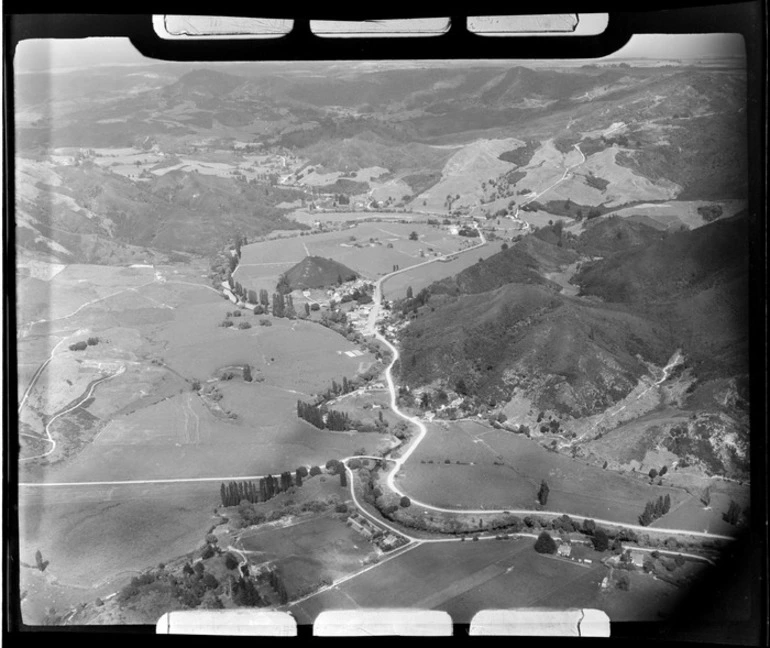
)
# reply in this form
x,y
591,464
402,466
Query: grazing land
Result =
x,y
506,470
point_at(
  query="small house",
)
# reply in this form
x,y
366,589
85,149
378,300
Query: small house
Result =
x,y
637,558
564,550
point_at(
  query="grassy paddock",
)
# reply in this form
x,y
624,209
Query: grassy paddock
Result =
x,y
92,534
575,487
322,546
419,278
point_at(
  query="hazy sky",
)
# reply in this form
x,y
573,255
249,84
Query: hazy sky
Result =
x,y
39,55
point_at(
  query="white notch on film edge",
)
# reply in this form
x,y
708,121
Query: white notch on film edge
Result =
x,y
534,622
191,27
383,622
244,622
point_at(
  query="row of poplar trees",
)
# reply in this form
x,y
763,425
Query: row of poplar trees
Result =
x,y
283,305
267,487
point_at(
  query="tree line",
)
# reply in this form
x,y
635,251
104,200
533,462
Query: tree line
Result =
x,y
323,418
268,487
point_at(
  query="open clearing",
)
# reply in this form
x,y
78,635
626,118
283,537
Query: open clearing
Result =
x,y
575,487
464,578
306,552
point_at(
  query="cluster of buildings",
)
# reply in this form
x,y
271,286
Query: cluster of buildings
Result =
x,y
385,541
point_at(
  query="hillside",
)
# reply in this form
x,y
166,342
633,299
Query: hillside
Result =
x,y
84,212
522,263
563,354
501,327
317,272
606,236
695,283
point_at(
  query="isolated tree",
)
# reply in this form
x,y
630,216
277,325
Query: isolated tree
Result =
x,y
653,473
666,503
733,513
315,470
283,286
663,471
405,501
343,477
705,496
409,293
307,309
413,236
545,544
298,478
39,562
623,582
247,373
542,494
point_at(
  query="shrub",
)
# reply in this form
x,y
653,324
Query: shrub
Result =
x,y
78,346
92,341
226,323
315,470
265,322
623,582
244,325
315,307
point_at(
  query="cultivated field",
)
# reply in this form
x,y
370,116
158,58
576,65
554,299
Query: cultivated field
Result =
x,y
464,578
575,487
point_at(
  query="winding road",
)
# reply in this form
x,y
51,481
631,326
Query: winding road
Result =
x,y
423,430
77,404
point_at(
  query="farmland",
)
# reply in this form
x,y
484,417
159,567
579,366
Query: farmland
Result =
x,y
575,487
327,216
463,578
364,248
309,550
